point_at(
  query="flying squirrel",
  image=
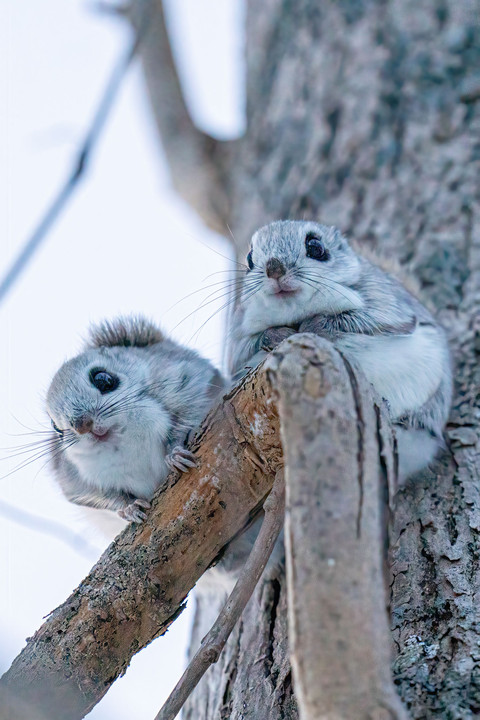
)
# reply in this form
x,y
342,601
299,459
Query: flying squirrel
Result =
x,y
306,277
121,412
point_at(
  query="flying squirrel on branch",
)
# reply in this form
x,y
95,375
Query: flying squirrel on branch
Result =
x,y
305,277
121,412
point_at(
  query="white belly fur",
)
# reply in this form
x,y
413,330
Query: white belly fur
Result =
x,y
406,370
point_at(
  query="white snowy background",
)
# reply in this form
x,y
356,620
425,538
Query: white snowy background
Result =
x,y
125,244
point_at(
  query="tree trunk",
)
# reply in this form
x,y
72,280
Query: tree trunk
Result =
x,y
366,115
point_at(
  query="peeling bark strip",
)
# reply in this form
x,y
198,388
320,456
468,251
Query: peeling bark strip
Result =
x,y
337,608
213,644
139,585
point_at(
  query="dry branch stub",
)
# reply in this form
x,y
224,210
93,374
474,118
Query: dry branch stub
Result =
x,y
139,585
335,536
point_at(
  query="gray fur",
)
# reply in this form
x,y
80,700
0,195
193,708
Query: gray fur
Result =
x,y
165,390
367,314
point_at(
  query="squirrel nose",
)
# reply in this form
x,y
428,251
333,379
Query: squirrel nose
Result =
x,y
82,424
275,268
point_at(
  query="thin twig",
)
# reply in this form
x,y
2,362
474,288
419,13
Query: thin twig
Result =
x,y
110,8
214,641
80,166
57,530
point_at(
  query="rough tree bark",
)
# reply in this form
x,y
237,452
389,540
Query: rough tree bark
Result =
x,y
366,114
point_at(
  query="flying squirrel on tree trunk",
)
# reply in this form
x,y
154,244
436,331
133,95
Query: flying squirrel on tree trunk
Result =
x,y
121,412
306,277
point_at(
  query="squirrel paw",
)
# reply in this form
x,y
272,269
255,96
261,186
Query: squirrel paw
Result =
x,y
181,459
134,512
315,324
272,337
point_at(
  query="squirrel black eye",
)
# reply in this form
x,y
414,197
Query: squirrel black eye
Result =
x,y
104,381
250,260
57,430
315,248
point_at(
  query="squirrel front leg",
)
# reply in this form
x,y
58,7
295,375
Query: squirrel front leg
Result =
x,y
332,326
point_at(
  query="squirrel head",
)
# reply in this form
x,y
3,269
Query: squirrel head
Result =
x,y
297,269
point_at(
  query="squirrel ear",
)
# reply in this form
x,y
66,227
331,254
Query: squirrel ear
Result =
x,y
337,236
130,331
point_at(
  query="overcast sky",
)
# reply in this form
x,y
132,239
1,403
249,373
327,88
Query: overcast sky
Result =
x,y
126,243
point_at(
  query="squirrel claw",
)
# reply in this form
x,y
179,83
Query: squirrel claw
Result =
x,y
180,459
134,512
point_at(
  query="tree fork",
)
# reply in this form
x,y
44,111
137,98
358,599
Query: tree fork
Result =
x,y
140,584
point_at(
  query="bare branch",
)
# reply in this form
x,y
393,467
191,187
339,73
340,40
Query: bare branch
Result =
x,y
335,537
109,8
195,159
140,584
57,530
214,642
80,165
